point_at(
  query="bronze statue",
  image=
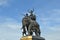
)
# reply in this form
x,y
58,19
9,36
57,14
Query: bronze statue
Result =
x,y
29,23
25,23
34,27
32,16
30,26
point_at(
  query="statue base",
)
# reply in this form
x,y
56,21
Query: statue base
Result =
x,y
32,38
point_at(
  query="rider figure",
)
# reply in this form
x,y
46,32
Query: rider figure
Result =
x,y
32,16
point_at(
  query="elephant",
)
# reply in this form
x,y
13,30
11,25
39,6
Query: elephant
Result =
x,y
30,25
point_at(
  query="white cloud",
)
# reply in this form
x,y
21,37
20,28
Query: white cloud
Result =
x,y
10,22
5,2
51,16
51,23
11,35
2,39
48,23
52,33
55,28
9,29
53,36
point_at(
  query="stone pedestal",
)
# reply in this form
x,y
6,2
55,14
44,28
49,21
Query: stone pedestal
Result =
x,y
32,38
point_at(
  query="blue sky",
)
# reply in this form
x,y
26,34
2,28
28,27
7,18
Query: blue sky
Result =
x,y
47,12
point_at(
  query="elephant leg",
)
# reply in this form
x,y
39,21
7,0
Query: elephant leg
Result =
x,y
27,27
29,30
24,31
36,33
39,32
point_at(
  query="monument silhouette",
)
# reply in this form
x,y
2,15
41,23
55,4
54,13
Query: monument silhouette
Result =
x,y
30,26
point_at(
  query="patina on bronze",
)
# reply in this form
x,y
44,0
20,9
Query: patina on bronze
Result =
x,y
30,25
29,21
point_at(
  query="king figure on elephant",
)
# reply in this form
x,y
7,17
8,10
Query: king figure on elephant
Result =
x,y
29,22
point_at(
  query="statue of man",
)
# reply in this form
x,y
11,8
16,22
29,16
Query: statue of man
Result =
x,y
32,16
